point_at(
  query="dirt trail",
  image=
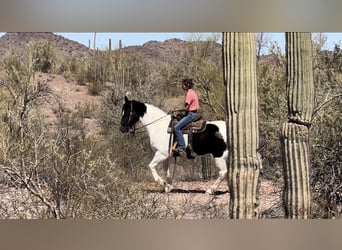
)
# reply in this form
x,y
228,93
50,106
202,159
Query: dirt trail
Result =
x,y
188,200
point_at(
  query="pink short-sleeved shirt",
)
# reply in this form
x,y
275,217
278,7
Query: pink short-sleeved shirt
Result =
x,y
191,99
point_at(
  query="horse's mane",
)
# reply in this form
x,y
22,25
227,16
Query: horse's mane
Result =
x,y
155,108
139,107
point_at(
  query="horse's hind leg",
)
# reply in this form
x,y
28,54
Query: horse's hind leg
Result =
x,y
167,172
158,158
221,164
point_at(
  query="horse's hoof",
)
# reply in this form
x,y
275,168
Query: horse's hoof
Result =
x,y
168,188
162,182
210,191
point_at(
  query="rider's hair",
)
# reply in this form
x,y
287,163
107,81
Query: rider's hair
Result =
x,y
188,82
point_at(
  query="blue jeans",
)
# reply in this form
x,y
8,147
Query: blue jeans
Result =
x,y
181,124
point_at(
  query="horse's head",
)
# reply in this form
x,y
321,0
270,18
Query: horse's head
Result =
x,y
131,112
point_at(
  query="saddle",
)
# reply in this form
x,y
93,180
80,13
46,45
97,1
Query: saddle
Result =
x,y
196,126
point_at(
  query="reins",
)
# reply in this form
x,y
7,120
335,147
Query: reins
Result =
x,y
148,124
167,114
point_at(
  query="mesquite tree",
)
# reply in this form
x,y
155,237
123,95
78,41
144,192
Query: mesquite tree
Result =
x,y
239,72
295,132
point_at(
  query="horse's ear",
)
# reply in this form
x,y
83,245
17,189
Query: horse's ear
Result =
x,y
125,99
128,93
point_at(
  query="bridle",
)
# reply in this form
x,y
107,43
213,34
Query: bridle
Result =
x,y
130,117
130,114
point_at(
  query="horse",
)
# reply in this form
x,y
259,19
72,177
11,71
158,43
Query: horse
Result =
x,y
211,141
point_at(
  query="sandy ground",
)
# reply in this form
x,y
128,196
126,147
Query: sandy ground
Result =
x,y
188,200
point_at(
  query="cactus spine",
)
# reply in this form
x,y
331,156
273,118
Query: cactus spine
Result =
x,y
239,72
295,132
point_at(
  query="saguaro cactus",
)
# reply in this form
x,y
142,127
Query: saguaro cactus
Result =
x,y
295,132
239,72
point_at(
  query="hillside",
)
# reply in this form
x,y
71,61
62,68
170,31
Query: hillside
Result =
x,y
12,40
170,51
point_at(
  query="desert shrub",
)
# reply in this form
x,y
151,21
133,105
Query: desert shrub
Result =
x,y
87,110
28,149
200,62
205,66
326,177
125,146
94,88
92,180
20,91
71,174
41,54
44,55
121,70
69,68
95,67
272,112
326,173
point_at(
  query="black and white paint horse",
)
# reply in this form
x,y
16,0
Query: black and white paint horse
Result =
x,y
211,141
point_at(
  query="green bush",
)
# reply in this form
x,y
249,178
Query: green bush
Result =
x,y
327,163
94,88
44,55
272,111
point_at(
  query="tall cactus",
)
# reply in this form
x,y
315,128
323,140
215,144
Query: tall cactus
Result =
x,y
239,72
295,132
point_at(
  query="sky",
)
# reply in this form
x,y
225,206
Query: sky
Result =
x,y
127,39
131,38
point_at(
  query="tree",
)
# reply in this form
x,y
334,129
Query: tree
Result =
x,y
295,132
261,43
244,162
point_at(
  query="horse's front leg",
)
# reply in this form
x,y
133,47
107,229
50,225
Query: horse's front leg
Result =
x,y
158,158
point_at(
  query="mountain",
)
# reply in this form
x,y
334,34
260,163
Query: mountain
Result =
x,y
170,51
20,40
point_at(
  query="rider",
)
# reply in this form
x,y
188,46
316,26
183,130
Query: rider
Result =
x,y
192,106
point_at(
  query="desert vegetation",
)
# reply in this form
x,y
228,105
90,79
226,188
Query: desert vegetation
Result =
x,y
61,168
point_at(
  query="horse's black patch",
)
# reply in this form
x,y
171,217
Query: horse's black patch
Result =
x,y
131,112
210,141
139,108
